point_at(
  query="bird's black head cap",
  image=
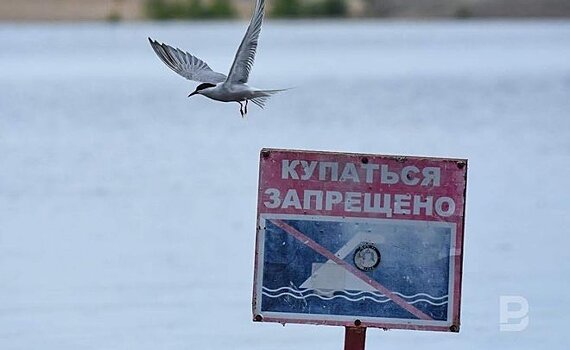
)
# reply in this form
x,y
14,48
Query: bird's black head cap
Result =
x,y
205,86
202,87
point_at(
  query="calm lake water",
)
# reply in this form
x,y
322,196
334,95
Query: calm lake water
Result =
x,y
127,210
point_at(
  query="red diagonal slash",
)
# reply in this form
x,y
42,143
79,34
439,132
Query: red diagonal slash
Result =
x,y
327,254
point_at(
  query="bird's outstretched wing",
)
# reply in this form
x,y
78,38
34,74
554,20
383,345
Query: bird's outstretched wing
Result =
x,y
245,55
183,63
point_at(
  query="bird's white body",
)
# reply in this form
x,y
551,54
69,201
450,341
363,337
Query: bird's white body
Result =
x,y
218,86
233,92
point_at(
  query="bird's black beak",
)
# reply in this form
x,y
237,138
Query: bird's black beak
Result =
x,y
192,94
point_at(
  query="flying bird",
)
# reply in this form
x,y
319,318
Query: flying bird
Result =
x,y
218,86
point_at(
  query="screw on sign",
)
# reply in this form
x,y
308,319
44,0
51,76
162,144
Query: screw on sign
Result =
x,y
359,241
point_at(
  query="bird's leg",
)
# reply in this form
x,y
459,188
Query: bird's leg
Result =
x,y
246,106
240,108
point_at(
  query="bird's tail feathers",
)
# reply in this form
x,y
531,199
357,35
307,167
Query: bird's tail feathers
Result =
x,y
264,96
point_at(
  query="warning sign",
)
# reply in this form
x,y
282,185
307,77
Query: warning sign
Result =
x,y
353,239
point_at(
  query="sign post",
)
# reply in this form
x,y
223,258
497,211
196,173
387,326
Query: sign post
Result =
x,y
354,338
359,240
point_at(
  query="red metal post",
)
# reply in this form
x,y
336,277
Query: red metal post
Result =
x,y
354,338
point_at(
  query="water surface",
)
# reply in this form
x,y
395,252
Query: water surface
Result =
x,y
127,211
